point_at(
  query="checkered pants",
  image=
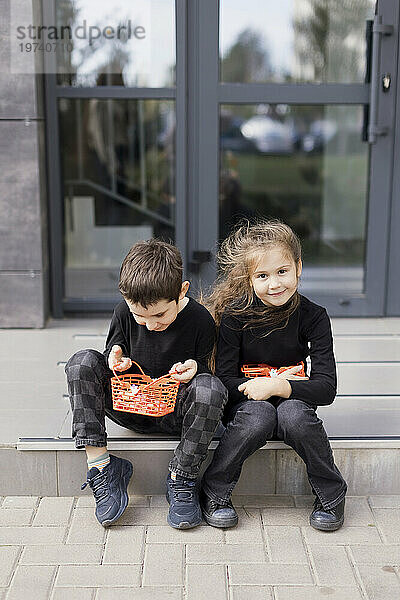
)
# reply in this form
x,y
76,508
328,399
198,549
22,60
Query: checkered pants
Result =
x,y
197,413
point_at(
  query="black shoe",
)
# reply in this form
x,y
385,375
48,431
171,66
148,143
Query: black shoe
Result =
x,y
184,508
217,515
327,519
109,489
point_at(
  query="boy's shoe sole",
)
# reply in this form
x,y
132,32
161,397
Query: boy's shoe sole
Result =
x,y
183,524
124,482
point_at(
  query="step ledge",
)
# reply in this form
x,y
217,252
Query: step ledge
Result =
x,y
38,444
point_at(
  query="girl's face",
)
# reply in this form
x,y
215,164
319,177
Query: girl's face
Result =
x,y
275,277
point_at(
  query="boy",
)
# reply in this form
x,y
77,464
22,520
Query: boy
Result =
x,y
163,330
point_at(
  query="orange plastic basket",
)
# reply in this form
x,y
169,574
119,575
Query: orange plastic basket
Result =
x,y
267,371
143,395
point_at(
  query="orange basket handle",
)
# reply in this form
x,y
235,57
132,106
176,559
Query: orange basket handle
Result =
x,y
158,379
143,373
123,382
133,362
146,387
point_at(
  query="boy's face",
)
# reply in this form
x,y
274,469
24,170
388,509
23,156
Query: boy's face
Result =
x,y
158,316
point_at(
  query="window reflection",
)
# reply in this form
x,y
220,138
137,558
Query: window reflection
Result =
x,y
137,50
293,40
306,165
118,160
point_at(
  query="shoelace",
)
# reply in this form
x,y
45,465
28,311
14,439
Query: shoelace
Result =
x,y
98,483
181,493
318,506
213,505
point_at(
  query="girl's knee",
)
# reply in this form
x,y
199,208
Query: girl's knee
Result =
x,y
257,419
295,417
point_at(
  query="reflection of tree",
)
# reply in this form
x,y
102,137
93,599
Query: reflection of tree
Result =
x,y
117,59
107,58
67,15
247,59
327,40
125,153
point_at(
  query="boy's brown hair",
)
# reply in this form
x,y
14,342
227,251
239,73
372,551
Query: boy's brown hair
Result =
x,y
151,271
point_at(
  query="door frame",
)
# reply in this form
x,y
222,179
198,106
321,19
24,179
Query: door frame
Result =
x,y
393,279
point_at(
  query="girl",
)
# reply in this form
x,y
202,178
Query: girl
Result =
x,y
263,319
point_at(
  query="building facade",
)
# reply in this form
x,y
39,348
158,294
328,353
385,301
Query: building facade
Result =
x,y
178,118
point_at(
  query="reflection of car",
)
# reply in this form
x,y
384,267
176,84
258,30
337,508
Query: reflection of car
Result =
x,y
231,137
321,132
269,135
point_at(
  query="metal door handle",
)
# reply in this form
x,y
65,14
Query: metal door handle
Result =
x,y
367,78
378,30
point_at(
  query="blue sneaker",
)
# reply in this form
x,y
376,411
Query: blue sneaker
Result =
x,y
109,488
184,508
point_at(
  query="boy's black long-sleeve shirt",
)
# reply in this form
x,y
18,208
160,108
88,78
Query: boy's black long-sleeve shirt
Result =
x,y
191,335
308,333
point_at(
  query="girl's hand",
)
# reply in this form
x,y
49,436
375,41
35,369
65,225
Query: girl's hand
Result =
x,y
184,372
290,374
117,361
262,388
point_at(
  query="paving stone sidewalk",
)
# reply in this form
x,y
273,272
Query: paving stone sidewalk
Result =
x,y
53,548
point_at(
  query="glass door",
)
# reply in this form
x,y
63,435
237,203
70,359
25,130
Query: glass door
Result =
x,y
297,123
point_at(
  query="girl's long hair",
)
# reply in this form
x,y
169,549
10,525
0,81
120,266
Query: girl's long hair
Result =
x,y
237,259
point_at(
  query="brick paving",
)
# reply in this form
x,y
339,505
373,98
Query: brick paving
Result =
x,y
53,548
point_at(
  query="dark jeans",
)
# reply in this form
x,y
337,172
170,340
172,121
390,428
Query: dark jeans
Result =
x,y
196,416
251,424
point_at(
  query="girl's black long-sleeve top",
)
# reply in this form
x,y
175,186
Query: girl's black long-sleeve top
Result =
x,y
308,333
191,335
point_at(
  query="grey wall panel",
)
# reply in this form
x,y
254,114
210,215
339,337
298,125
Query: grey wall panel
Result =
x,y
18,95
20,225
19,91
21,299
23,228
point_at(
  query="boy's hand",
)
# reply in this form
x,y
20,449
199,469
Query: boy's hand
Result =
x,y
184,372
117,361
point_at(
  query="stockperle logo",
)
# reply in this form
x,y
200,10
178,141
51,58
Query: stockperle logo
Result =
x,y
83,31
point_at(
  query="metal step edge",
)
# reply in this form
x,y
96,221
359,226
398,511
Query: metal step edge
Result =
x,y
151,444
